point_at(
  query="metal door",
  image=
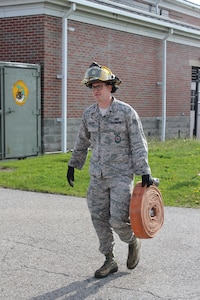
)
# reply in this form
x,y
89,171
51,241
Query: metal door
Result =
x,y
21,112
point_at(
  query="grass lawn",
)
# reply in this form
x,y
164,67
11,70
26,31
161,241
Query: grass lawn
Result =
x,y
175,162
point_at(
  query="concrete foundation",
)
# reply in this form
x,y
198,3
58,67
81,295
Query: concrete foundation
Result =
x,y
176,127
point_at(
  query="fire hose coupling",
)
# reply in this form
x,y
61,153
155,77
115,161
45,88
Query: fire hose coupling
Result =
x,y
156,181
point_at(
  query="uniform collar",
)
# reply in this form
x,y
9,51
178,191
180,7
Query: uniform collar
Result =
x,y
95,108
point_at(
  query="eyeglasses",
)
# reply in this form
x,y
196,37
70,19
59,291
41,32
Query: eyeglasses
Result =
x,y
97,87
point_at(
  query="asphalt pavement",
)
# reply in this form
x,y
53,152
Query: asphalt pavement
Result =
x,y
49,250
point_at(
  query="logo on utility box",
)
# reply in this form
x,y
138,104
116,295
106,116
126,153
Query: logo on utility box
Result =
x,y
20,92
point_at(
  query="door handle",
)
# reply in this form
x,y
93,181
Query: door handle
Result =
x,y
10,110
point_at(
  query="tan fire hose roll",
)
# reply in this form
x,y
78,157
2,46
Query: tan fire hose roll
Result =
x,y
146,211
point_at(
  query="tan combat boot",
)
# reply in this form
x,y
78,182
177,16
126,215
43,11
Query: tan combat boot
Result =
x,y
109,266
133,254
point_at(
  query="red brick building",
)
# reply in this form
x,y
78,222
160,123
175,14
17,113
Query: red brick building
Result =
x,y
153,48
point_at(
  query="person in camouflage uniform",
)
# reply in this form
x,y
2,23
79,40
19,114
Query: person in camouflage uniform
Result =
x,y
113,131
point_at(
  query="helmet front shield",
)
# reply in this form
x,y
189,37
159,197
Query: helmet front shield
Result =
x,y
100,73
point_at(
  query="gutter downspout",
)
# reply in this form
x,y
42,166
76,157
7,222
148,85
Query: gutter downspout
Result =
x,y
64,75
164,67
157,8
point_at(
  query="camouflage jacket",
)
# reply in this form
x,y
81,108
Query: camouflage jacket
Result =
x,y
116,140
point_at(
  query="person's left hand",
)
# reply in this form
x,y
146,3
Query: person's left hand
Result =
x,y
147,180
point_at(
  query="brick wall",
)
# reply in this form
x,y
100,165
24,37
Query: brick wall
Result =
x,y
137,60
22,39
52,97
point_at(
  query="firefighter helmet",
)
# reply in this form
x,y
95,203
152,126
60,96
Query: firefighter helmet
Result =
x,y
96,73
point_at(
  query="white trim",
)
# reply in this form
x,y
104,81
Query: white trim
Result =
x,y
135,28
193,62
188,9
40,8
181,6
9,8
140,16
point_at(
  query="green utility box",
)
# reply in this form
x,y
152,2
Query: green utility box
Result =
x,y
20,110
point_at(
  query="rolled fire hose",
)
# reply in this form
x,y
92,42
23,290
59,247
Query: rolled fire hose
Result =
x,y
146,211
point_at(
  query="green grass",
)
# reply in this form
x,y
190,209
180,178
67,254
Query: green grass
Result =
x,y
175,162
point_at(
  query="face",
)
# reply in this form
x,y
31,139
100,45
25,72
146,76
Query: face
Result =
x,y
101,91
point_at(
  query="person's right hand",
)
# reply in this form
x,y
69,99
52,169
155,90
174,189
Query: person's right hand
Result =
x,y
70,175
147,180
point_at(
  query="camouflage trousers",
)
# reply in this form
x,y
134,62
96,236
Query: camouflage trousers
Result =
x,y
108,201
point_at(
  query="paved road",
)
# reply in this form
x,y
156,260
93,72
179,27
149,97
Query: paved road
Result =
x,y
49,250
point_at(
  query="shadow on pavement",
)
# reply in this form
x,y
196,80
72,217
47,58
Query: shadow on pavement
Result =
x,y
79,289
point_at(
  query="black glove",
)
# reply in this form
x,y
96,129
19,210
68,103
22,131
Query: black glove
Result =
x,y
147,180
70,175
